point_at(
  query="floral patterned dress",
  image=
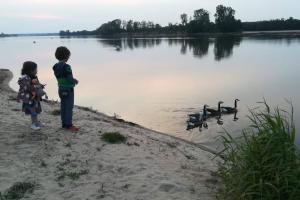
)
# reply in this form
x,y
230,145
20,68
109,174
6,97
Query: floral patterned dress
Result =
x,y
31,104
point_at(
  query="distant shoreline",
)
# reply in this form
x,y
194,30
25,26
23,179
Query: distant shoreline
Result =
x,y
280,33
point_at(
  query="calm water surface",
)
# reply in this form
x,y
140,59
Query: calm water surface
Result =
x,y
157,82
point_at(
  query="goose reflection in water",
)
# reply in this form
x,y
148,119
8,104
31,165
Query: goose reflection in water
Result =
x,y
235,118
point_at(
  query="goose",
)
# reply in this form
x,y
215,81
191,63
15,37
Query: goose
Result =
x,y
214,112
193,120
196,121
204,114
192,125
230,110
196,117
204,118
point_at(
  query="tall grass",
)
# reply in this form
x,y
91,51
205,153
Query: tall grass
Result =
x,y
263,163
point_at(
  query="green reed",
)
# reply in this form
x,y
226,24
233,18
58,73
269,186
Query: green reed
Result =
x,y
263,163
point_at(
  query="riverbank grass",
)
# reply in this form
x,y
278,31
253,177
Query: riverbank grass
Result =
x,y
113,138
264,162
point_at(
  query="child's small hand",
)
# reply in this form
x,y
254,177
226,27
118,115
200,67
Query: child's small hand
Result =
x,y
33,95
35,81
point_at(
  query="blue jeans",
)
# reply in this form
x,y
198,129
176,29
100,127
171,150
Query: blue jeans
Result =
x,y
66,107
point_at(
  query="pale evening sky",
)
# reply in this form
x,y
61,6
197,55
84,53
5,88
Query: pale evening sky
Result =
x,y
40,16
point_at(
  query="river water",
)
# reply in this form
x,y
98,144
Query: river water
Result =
x,y
158,82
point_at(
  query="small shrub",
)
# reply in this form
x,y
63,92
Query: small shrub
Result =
x,y
113,138
17,191
55,112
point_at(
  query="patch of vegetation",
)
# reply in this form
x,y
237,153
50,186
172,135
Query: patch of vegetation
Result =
x,y
264,162
55,112
17,191
113,138
74,175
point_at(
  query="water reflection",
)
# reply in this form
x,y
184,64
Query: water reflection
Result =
x,y
199,47
223,46
131,43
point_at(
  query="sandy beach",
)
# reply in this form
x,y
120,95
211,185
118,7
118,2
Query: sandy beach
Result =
x,y
148,166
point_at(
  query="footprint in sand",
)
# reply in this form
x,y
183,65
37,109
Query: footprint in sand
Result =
x,y
167,187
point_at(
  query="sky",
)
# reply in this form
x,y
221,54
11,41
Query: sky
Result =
x,y
45,16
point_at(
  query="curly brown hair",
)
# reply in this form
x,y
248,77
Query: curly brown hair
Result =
x,y
62,53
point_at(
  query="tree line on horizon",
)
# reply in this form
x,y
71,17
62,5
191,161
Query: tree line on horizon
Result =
x,y
199,22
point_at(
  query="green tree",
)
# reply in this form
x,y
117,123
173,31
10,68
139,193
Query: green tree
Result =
x,y
184,19
200,23
225,19
136,26
130,26
158,26
143,25
110,27
150,25
124,24
201,15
